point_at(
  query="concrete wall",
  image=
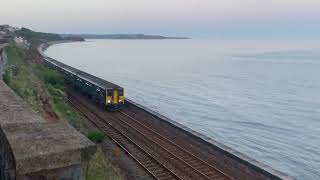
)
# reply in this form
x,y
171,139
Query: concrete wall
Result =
x,y
7,162
71,172
32,148
3,59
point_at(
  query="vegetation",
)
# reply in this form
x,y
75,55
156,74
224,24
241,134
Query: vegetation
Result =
x,y
7,77
21,78
100,169
96,136
54,84
38,85
50,77
36,37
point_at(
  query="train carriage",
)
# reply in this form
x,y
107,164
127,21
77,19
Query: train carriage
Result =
x,y
110,96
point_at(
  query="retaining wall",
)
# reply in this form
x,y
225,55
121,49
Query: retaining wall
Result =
x,y
7,162
31,148
3,59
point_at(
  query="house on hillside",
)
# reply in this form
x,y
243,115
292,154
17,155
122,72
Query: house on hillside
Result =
x,y
7,29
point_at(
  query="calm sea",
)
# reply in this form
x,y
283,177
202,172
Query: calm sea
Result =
x,y
261,98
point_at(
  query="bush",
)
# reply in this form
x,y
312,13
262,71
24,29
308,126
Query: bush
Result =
x,y
7,77
99,168
51,77
96,136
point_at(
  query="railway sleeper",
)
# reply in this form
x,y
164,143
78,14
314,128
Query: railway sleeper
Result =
x,y
172,149
157,171
146,162
197,165
164,174
214,174
219,178
154,169
151,166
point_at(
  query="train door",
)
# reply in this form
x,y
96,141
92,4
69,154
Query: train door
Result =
x,y
115,96
109,96
121,96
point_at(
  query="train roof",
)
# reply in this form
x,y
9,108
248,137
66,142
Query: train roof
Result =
x,y
90,78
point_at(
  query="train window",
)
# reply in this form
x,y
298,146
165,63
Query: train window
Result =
x,y
120,92
109,92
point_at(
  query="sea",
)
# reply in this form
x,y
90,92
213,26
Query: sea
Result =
x,y
261,98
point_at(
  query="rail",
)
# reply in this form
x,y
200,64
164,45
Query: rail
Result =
x,y
116,136
174,145
180,163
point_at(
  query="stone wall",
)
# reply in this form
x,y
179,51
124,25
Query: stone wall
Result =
x,y
3,59
7,162
32,148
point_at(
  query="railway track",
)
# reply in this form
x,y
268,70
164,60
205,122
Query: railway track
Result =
x,y
194,166
152,166
161,157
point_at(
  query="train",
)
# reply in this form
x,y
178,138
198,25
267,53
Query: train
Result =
x,y
108,95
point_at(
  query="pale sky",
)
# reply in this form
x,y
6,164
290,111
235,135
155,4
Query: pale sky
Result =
x,y
221,19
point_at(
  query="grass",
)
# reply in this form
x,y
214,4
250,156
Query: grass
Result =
x,y
96,136
100,169
7,77
55,86
38,85
21,78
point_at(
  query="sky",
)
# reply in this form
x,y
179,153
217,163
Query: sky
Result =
x,y
217,19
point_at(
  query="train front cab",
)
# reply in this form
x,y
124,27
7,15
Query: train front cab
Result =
x,y
114,99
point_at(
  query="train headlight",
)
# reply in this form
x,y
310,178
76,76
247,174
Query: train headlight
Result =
x,y
109,101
